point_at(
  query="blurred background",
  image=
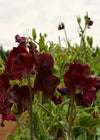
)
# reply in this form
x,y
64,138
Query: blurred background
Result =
x,y
20,16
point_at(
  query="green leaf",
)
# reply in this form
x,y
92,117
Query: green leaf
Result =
x,y
93,122
34,34
84,119
19,131
81,137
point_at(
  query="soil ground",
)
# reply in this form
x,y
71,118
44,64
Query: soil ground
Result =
x,y
10,127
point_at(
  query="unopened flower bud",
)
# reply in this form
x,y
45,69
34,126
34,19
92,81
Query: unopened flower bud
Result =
x,y
61,26
95,114
89,22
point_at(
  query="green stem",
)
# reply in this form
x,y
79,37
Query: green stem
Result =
x,y
20,122
22,125
66,37
50,108
30,110
41,125
45,109
55,118
40,97
68,110
71,117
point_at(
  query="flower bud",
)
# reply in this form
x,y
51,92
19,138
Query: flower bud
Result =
x,y
61,26
95,114
89,22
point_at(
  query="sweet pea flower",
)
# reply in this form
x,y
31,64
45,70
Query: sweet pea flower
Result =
x,y
79,83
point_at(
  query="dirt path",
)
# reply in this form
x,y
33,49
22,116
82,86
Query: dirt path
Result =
x,y
10,127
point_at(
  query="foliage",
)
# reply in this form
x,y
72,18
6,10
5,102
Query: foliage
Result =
x,y
58,87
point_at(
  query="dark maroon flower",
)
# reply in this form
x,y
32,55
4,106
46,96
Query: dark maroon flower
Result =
x,y
79,83
73,77
44,62
45,81
63,91
89,81
5,108
97,85
4,86
8,117
47,84
89,94
17,50
81,101
61,26
19,39
4,81
14,94
57,100
20,96
22,64
86,96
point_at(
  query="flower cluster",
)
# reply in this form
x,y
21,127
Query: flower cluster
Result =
x,y
79,83
24,63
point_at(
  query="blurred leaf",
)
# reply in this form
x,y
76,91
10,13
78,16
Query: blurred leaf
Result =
x,y
34,34
81,137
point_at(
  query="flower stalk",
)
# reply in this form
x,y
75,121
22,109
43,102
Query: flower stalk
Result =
x,y
71,118
30,110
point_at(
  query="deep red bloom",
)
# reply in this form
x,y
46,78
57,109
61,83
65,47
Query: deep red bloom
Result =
x,y
4,85
79,83
45,81
57,100
63,91
5,108
20,96
47,84
81,101
44,62
19,39
4,82
86,96
8,117
97,85
17,50
73,77
89,94
20,65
